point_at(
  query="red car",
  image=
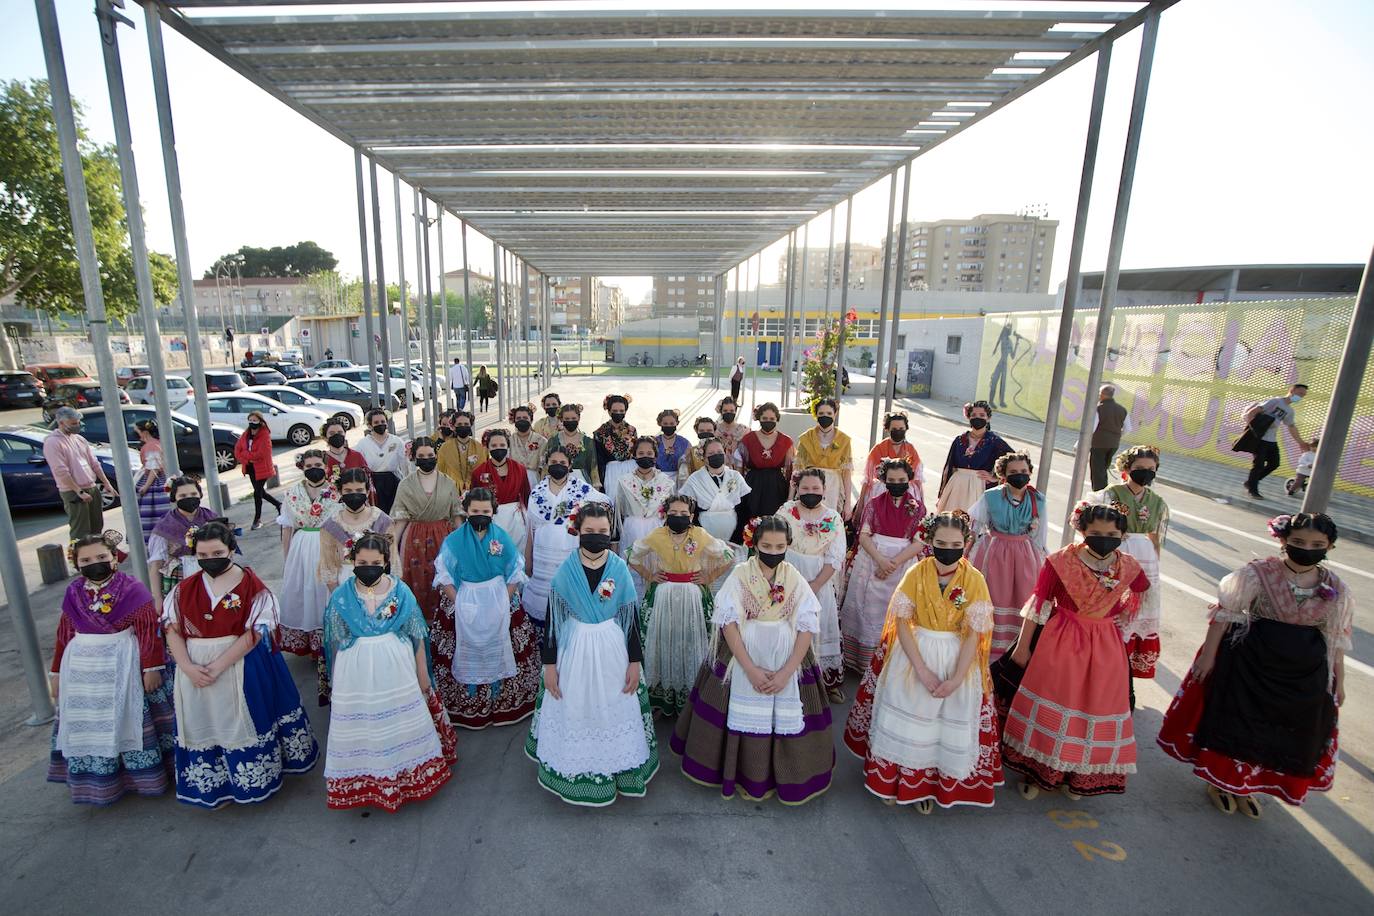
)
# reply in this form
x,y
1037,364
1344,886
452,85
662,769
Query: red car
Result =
x,y
54,374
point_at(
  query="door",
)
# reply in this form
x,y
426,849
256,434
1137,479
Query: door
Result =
x,y
28,481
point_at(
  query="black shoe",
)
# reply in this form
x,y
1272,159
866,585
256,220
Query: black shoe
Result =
x,y
1253,494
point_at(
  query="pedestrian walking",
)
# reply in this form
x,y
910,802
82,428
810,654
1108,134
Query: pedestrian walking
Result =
x,y
736,379
253,451
153,501
1261,437
486,389
80,479
460,380
1111,423
557,366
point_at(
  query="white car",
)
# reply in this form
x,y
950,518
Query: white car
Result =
x,y
142,391
297,425
396,384
350,415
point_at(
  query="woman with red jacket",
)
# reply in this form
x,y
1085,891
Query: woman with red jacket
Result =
x,y
253,452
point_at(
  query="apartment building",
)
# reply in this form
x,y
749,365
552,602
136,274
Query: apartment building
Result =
x,y
993,252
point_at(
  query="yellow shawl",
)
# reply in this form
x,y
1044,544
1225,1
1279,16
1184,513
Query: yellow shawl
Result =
x,y
963,607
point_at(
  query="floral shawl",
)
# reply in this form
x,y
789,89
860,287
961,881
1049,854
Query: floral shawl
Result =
x,y
698,552
469,557
815,535
101,610
900,520
302,512
1145,514
615,445
346,619
547,507
1095,594
640,498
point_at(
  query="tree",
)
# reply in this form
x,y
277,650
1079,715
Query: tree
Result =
x,y
299,260
818,362
38,262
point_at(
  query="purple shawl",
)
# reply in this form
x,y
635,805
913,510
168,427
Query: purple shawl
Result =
x,y
173,526
126,595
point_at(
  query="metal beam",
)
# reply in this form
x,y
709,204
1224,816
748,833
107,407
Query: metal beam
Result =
x,y
405,309
443,302
431,385
888,253
890,379
383,301
1112,274
844,301
367,275
1070,43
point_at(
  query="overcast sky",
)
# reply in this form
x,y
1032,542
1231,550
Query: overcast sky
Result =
x,y
1256,146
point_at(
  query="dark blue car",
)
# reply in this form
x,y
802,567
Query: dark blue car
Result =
x,y
28,481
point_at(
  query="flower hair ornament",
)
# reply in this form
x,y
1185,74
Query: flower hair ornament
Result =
x,y
1279,526
573,511
1078,510
510,414
110,538
750,530
926,527
495,431
610,399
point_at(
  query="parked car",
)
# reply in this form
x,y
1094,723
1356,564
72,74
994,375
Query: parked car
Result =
x,y
125,374
348,413
259,358
81,394
261,376
54,374
20,389
397,385
289,370
297,425
223,381
333,364
186,432
28,479
417,375
142,390
341,389
293,354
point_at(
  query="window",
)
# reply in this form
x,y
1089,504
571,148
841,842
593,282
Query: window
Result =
x,y
14,450
901,341
953,344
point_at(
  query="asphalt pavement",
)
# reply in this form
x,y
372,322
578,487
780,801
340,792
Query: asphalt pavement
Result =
x,y
493,842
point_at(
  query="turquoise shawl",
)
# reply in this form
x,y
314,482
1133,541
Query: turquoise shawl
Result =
x,y
1010,519
470,558
346,620
570,597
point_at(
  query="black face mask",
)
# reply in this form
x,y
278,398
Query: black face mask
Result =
x,y
354,501
668,430
380,429
645,461
215,566
368,575
897,489
522,426
811,500
1142,477
678,523
254,424
462,432
479,523
426,464
896,435
570,425
445,432
594,543
1102,544
98,572
188,504
558,471
337,440
1303,556
499,454
1018,480
314,475
768,425
617,418
947,556
715,461
825,422
707,434
551,411
978,423
728,417
771,560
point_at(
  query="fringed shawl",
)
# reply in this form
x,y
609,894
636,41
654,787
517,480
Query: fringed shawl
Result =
x,y
570,596
963,606
346,619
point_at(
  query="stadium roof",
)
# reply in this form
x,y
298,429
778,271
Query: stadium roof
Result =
x,y
648,140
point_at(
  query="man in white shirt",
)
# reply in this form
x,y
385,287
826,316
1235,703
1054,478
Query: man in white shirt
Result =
x,y
459,379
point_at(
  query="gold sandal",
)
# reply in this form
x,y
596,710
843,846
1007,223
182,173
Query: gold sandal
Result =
x,y
1029,790
1250,807
1224,802
1069,793
925,806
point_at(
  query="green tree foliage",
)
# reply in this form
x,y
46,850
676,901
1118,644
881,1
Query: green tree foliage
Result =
x,y
38,261
818,362
299,260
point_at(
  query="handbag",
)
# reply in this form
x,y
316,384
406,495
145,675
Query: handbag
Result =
x,y
1250,440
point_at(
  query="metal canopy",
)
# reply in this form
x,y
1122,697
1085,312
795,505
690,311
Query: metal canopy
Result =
x,y
649,141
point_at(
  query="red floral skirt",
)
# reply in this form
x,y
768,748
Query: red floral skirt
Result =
x,y
414,784
421,546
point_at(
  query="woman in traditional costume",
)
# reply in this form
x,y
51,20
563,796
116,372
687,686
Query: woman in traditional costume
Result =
x,y
672,448
1257,713
1009,525
305,508
705,428
170,557
239,721
969,464
460,455
338,457
766,455
114,728
485,648
350,520
757,721
550,542
887,529
639,500
390,741
718,490
508,482
893,445
817,551
679,559
527,446
593,734
826,447
1147,525
151,483
615,443
576,447
427,509
730,431
548,425
924,721
1069,725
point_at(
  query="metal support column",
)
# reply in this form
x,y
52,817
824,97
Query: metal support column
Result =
x,y
888,253
383,303
443,303
421,315
157,59
467,302
1110,277
525,373
734,325
1073,282
496,297
799,311
890,379
844,300
784,370
411,432
138,246
1336,430
717,347
431,380
367,274
829,269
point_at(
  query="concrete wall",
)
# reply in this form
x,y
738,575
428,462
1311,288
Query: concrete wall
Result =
x,y
955,376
